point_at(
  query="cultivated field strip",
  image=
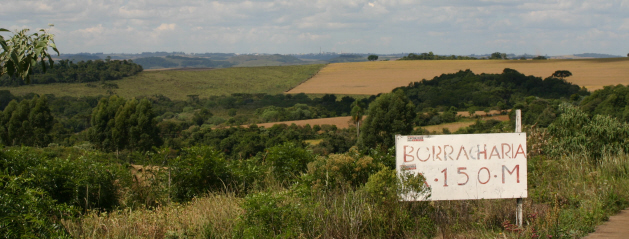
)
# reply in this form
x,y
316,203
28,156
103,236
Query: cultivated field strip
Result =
x,y
382,76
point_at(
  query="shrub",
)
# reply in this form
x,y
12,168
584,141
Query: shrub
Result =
x,y
350,169
198,170
288,161
574,132
270,215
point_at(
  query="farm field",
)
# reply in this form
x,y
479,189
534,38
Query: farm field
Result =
x,y
344,122
178,84
340,122
462,124
372,78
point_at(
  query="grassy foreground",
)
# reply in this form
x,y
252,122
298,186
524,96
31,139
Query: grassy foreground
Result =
x,y
178,84
568,197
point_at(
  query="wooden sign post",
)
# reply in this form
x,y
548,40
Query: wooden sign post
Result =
x,y
518,129
467,166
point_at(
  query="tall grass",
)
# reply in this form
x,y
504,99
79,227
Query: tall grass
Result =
x,y
213,216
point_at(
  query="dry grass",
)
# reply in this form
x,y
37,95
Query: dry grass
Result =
x,y
213,216
383,76
340,122
344,122
462,124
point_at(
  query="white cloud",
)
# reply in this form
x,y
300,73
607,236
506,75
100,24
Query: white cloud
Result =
x,y
294,26
166,27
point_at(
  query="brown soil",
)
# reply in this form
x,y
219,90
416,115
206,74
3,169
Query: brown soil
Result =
x,y
616,227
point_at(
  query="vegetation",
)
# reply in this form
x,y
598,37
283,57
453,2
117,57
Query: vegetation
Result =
x,y
108,166
22,52
465,89
68,72
178,85
372,57
432,56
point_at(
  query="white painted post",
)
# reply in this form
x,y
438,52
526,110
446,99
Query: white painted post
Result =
x,y
518,129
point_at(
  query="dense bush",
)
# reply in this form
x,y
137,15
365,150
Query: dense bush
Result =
x,y
287,161
575,132
350,169
26,123
465,89
197,171
611,100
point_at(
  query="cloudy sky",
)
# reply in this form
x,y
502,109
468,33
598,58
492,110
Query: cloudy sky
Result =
x,y
553,27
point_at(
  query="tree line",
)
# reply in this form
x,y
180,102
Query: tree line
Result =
x,y
66,71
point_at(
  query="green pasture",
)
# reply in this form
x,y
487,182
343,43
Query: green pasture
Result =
x,y
178,84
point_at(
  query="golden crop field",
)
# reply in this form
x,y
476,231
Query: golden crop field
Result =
x,y
344,122
383,76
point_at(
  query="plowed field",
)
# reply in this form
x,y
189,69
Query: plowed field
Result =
x,y
370,78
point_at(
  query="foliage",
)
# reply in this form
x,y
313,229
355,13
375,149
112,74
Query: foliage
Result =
x,y
498,56
197,171
66,71
432,56
537,111
269,214
561,74
372,57
287,161
611,100
21,53
118,124
389,114
540,58
350,169
27,211
575,132
465,89
26,123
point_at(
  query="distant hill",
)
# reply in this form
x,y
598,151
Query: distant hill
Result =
x,y
596,55
180,62
80,57
348,58
265,60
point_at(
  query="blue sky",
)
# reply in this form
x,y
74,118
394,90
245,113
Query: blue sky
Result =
x,y
458,27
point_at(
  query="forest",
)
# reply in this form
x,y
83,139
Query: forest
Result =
x,y
66,71
107,166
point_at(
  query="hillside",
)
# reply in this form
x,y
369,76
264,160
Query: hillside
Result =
x,y
177,85
372,78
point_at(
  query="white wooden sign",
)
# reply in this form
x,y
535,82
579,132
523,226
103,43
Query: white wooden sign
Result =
x,y
466,166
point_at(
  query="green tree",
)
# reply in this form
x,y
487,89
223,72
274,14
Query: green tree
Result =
x,y
561,74
372,57
358,110
498,56
389,114
26,123
21,52
118,124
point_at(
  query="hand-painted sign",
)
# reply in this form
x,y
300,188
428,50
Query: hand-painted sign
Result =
x,y
466,166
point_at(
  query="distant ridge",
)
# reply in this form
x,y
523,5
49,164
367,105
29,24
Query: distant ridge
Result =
x,y
596,55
